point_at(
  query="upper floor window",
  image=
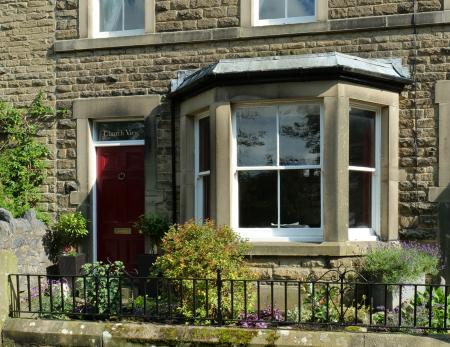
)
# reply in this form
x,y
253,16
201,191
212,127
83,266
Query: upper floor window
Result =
x,y
119,17
269,12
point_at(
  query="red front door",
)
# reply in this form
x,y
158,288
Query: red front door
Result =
x,y
120,201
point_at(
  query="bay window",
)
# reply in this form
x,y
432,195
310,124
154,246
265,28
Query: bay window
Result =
x,y
268,12
292,160
278,171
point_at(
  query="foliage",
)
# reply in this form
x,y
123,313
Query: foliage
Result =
x,y
264,320
22,156
437,305
102,287
197,251
65,235
401,263
59,306
154,227
71,228
315,309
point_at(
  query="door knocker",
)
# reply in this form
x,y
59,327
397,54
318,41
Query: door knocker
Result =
x,y
121,176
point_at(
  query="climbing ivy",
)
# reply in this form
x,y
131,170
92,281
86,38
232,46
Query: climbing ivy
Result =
x,y
23,159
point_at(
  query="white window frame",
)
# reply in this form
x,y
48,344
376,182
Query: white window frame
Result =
x,y
104,34
373,233
199,175
277,21
275,234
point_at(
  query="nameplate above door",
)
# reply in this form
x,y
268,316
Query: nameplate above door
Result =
x,y
120,131
122,231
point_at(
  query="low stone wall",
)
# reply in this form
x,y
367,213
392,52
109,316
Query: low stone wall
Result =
x,y
8,264
23,332
23,236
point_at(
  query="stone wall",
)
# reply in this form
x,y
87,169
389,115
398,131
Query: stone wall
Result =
x,y
177,15
23,236
23,332
27,30
148,70
338,9
28,64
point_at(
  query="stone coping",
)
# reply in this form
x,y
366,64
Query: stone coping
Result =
x,y
28,332
331,26
295,249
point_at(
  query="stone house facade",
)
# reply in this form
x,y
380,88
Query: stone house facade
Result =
x,y
133,76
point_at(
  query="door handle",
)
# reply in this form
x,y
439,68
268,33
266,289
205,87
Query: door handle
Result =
x,y
121,176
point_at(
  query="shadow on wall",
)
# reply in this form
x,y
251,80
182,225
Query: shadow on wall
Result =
x,y
444,228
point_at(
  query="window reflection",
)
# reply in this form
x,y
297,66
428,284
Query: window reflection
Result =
x,y
256,136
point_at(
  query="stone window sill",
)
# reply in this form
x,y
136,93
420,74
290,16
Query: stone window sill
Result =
x,y
294,249
337,25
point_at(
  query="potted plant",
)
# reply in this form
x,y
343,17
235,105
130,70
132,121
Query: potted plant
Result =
x,y
153,227
70,230
404,263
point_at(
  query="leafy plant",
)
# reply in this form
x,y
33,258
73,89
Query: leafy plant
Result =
x,y
315,309
397,263
65,235
198,251
154,227
22,156
101,285
71,228
424,305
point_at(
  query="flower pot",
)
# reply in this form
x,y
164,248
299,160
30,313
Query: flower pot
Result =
x,y
70,265
145,264
392,299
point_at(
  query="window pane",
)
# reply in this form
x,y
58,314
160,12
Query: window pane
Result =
x,y
110,15
360,199
206,197
134,14
204,145
258,199
256,136
299,134
300,8
362,138
271,9
300,203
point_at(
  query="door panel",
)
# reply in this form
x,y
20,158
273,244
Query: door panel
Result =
x,y
120,201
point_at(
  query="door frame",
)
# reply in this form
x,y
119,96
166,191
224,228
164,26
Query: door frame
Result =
x,y
85,112
96,144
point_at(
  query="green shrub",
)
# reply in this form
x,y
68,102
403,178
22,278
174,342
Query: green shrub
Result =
x,y
22,156
154,227
71,228
68,231
102,287
397,263
197,251
421,312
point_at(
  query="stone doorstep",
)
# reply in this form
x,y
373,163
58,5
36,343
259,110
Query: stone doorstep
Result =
x,y
81,333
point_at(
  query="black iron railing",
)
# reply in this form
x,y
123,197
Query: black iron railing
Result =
x,y
338,298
